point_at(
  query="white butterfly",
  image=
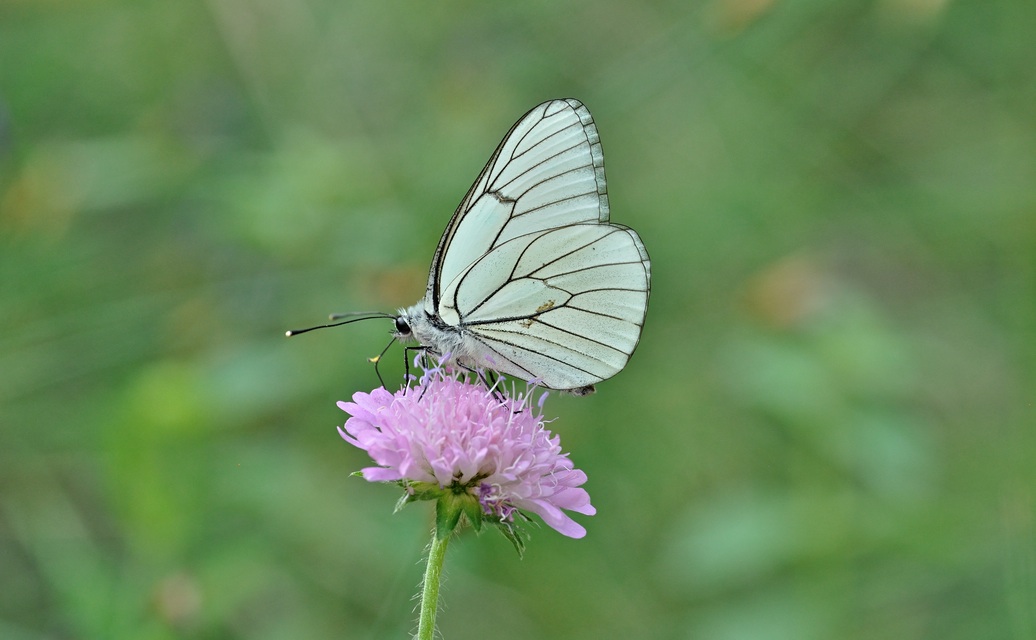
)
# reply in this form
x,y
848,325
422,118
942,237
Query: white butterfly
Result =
x,y
530,279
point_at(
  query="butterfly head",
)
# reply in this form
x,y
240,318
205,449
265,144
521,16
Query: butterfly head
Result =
x,y
403,331
410,323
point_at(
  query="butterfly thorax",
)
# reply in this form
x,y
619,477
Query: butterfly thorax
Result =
x,y
432,333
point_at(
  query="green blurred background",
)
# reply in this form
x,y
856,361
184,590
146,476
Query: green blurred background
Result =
x,y
826,432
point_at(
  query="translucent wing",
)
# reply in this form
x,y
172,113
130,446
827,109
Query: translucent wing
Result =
x,y
548,172
530,278
564,306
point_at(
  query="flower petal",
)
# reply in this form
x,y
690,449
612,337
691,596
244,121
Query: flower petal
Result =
x,y
453,432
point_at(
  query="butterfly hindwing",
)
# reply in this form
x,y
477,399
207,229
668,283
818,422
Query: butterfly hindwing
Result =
x,y
570,310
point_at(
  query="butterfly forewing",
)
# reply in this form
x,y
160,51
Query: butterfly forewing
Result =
x,y
547,172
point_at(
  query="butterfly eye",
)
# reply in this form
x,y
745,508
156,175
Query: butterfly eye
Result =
x,y
402,327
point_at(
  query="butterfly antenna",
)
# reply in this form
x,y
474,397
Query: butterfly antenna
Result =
x,y
357,314
354,317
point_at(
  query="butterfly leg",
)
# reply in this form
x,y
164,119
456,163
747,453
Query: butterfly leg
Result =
x,y
377,361
406,364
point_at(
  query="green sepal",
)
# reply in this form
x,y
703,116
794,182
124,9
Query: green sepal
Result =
x,y
403,501
448,509
423,490
414,491
515,532
473,510
515,535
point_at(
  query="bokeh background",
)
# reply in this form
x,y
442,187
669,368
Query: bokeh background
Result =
x,y
826,432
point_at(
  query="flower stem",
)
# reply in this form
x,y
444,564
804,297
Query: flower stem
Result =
x,y
430,588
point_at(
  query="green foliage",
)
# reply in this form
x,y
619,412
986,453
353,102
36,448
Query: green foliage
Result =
x,y
826,432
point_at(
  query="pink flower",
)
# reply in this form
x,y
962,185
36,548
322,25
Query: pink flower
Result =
x,y
485,453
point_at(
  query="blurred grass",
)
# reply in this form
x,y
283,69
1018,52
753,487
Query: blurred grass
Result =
x,y
827,430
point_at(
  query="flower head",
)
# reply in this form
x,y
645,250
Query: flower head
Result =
x,y
475,450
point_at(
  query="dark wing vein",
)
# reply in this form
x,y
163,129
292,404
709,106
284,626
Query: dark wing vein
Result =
x,y
565,305
537,165
560,344
510,278
483,339
547,204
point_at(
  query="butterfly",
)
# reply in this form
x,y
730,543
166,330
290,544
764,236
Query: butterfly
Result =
x,y
530,278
